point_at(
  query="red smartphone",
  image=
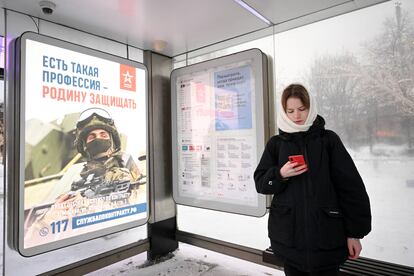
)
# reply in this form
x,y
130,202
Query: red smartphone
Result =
x,y
297,158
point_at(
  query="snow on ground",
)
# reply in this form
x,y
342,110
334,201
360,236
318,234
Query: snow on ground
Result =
x,y
188,260
388,173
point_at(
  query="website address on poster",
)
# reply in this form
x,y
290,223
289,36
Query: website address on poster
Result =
x,y
86,220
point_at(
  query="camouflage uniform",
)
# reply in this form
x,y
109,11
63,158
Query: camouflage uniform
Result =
x,y
112,169
108,167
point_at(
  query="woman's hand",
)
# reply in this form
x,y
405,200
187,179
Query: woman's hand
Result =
x,y
354,248
292,169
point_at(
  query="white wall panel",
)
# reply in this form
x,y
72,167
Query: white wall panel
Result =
x,y
18,23
135,54
82,38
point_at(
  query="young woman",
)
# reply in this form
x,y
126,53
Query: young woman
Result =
x,y
320,210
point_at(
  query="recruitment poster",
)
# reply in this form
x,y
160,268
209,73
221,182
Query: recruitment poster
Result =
x,y
218,121
83,127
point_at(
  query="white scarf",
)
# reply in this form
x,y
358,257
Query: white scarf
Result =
x,y
285,124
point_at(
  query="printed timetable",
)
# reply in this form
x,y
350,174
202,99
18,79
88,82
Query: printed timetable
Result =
x,y
218,122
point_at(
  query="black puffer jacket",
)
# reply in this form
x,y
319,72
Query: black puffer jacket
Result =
x,y
312,214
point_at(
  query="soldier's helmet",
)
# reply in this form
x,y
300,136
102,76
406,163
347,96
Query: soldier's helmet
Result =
x,y
91,119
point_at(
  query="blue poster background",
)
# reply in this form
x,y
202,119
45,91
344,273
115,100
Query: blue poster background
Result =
x,y
233,99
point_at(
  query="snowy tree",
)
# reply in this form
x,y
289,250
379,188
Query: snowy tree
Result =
x,y
356,96
335,84
391,62
389,70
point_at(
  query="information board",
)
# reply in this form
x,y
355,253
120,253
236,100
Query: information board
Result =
x,y
82,144
219,121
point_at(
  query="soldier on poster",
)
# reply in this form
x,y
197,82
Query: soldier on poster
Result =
x,y
104,182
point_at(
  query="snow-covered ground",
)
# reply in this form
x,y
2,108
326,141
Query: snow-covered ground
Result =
x,y
188,261
389,179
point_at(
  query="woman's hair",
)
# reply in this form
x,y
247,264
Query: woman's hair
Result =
x,y
295,91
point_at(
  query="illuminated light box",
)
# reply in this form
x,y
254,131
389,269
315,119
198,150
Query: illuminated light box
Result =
x,y
82,144
219,122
